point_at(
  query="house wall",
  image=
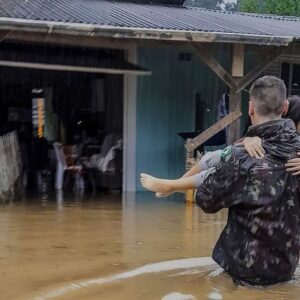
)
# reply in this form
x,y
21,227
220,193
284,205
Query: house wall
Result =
x,y
166,106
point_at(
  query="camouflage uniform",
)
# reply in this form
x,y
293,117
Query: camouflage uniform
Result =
x,y
260,243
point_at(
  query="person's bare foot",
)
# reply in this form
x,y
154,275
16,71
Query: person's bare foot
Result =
x,y
163,195
154,184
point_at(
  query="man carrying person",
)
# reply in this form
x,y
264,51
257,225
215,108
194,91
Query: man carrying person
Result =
x,y
260,243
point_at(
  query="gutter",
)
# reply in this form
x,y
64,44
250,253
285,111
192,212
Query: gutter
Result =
x,y
107,31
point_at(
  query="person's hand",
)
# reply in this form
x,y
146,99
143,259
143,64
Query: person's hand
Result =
x,y
293,165
253,145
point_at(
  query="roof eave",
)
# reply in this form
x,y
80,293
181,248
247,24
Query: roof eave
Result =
x,y
51,27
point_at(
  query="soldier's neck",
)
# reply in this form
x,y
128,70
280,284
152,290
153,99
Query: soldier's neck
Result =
x,y
257,120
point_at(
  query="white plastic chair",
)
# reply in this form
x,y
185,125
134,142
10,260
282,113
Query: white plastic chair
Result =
x,y
62,167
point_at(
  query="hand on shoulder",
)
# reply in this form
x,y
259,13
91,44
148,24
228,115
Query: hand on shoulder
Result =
x,y
254,147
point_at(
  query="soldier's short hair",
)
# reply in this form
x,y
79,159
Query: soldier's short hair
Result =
x,y
268,93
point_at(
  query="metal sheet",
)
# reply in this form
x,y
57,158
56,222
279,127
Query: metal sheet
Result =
x,y
120,14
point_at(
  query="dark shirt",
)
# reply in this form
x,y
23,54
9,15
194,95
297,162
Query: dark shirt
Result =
x,y
260,243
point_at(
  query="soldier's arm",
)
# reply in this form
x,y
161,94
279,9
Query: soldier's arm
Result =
x,y
221,186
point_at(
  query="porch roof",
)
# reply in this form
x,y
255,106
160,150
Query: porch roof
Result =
x,y
139,20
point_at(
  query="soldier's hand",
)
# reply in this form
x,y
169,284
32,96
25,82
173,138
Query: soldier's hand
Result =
x,y
293,166
253,145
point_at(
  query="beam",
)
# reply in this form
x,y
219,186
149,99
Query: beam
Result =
x,y
214,65
235,98
291,50
70,40
258,69
83,41
194,143
69,68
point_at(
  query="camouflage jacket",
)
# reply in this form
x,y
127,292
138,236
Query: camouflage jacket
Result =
x,y
260,243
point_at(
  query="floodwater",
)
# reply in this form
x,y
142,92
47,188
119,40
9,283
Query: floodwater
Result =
x,y
110,248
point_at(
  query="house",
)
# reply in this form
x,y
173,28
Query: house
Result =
x,y
164,67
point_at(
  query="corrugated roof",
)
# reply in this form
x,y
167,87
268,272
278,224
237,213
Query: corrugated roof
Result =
x,y
121,15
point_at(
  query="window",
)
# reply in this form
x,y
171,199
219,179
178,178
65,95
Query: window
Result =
x,y
290,74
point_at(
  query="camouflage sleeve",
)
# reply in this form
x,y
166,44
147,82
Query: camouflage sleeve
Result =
x,y
223,184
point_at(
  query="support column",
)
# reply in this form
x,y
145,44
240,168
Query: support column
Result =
x,y
235,98
129,148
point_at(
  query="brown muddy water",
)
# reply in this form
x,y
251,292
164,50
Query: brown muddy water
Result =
x,y
110,248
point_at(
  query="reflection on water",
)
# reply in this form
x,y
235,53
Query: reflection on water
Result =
x,y
47,245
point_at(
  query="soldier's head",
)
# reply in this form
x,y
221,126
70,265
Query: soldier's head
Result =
x,y
267,99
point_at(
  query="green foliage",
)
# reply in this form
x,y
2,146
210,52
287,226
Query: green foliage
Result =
x,y
251,6
277,7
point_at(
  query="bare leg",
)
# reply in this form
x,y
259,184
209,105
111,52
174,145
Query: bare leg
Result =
x,y
193,171
164,195
164,186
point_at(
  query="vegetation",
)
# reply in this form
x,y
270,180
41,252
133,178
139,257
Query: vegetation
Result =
x,y
278,7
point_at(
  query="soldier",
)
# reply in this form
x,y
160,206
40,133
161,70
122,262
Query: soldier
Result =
x,y
260,243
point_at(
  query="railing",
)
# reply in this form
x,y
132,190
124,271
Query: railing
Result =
x,y
10,165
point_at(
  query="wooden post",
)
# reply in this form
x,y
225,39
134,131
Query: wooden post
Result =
x,y
189,162
238,60
235,98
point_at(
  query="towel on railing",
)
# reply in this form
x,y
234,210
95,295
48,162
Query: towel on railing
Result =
x,y
101,162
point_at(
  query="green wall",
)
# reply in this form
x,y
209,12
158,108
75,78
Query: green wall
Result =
x,y
166,106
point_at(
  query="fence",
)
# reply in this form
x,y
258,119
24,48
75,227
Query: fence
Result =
x,y
10,165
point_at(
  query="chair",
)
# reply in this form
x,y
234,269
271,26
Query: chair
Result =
x,y
112,177
66,164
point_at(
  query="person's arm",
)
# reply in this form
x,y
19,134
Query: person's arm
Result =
x,y
221,187
293,166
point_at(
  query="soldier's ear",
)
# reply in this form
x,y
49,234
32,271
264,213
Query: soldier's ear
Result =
x,y
251,109
285,107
